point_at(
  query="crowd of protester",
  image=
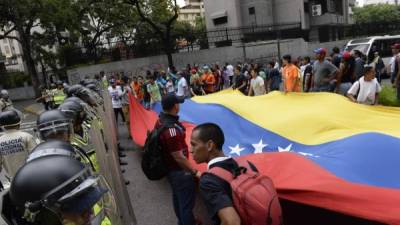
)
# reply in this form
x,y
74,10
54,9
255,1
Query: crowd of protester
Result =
x,y
344,73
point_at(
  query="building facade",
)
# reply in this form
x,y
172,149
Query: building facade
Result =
x,y
369,2
309,16
12,51
191,10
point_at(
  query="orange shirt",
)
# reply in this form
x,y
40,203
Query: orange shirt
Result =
x,y
209,82
291,77
137,88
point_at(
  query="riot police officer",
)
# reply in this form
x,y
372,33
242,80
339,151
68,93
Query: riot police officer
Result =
x,y
83,93
53,124
15,145
58,190
56,125
58,95
5,101
80,139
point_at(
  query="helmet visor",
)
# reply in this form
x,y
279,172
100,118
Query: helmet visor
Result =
x,y
92,202
59,129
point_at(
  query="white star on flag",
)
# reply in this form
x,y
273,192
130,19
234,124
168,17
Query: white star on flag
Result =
x,y
236,150
258,148
308,154
287,149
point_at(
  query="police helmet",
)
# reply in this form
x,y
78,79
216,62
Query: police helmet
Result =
x,y
4,94
73,110
9,118
52,124
57,190
92,87
87,81
83,93
51,147
73,89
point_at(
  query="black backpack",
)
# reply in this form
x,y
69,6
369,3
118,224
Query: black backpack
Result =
x,y
153,163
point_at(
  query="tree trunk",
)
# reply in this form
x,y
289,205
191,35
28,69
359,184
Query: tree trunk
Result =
x,y
168,47
30,63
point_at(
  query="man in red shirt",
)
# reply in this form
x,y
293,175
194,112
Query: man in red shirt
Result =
x,y
181,174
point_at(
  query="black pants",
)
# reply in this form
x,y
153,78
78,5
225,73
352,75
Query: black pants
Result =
x,y
119,110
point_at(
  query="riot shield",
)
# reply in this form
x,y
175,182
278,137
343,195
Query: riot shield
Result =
x,y
104,137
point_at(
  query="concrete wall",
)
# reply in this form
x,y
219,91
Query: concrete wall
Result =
x,y
232,8
263,12
259,51
288,11
22,93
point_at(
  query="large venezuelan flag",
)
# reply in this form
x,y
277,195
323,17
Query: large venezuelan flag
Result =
x,y
319,149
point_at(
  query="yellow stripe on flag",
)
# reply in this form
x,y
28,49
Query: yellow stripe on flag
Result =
x,y
309,118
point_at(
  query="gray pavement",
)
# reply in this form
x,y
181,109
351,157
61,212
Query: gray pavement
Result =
x,y
151,200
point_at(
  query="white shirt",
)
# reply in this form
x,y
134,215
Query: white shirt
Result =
x,y
115,96
216,160
392,64
15,147
182,87
366,90
257,84
230,70
170,87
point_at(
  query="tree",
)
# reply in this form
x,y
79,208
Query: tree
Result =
x,y
98,18
184,31
18,18
200,31
380,13
160,15
37,25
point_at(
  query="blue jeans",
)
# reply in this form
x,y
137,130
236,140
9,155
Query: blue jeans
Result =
x,y
183,196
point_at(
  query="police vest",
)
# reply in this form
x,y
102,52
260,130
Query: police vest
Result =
x,y
59,96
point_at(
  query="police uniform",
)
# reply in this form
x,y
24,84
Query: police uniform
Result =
x,y
58,97
15,146
5,105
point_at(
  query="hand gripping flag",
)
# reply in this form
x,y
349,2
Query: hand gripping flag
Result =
x,y
320,149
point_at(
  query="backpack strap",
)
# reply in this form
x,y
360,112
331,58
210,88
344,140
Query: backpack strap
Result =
x,y
243,166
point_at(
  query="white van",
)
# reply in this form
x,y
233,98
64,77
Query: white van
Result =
x,y
369,45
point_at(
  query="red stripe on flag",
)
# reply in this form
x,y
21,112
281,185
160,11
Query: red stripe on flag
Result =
x,y
298,179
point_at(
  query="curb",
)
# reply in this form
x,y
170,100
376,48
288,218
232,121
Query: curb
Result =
x,y
35,109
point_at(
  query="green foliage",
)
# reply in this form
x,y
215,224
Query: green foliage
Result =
x,y
200,30
14,79
388,97
379,13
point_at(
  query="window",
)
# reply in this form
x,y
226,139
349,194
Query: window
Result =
x,y
252,11
220,20
339,7
306,7
186,16
7,48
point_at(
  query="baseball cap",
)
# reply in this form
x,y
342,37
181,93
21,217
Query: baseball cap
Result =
x,y
396,46
320,51
346,55
170,100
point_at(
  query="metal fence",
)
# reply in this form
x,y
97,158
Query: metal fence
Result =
x,y
228,36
